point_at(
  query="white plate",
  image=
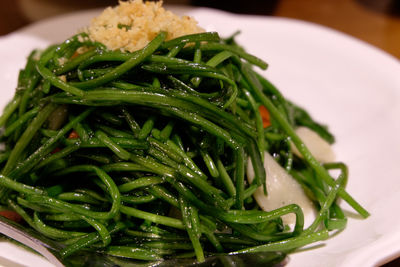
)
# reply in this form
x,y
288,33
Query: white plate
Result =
x,y
346,83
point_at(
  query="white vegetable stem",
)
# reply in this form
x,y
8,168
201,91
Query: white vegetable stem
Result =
x,y
319,148
283,189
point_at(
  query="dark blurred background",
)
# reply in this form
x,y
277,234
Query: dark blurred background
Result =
x,y
374,21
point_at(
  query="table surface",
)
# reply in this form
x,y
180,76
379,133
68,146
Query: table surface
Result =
x,y
374,21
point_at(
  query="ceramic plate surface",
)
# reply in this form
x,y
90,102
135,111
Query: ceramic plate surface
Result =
x,y
343,82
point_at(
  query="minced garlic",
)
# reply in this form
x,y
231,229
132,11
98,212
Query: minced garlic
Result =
x,y
133,24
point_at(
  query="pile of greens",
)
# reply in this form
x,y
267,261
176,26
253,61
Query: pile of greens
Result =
x,y
143,155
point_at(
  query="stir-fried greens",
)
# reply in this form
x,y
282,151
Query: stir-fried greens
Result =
x,y
143,155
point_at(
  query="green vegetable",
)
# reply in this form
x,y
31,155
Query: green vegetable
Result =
x,y
155,167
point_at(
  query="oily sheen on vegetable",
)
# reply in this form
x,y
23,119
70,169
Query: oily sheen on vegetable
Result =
x,y
143,155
